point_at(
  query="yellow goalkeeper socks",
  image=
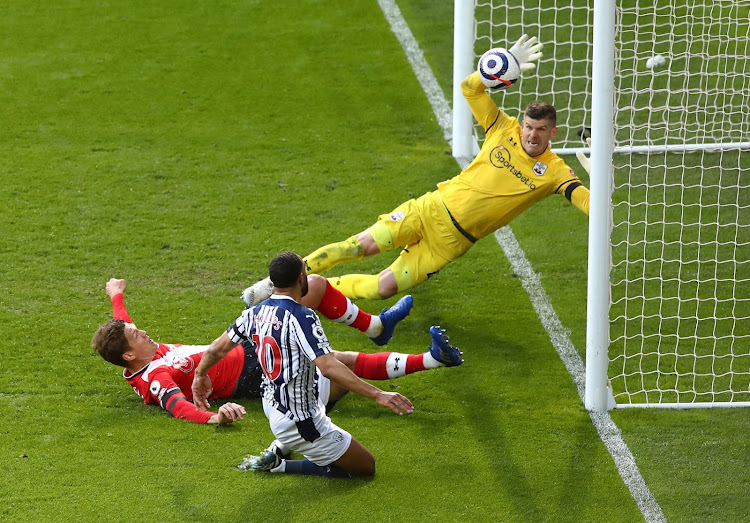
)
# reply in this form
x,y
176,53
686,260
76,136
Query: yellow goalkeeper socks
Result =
x,y
355,286
333,254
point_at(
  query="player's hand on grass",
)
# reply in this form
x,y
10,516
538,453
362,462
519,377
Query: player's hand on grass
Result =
x,y
584,160
228,413
202,389
114,287
395,401
527,51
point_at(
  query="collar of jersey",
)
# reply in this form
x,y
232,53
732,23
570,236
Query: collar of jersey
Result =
x,y
282,297
136,373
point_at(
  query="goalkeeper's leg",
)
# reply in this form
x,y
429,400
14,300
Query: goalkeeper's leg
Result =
x,y
355,286
417,262
371,241
396,278
334,253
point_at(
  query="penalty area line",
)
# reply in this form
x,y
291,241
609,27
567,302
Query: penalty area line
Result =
x,y
608,431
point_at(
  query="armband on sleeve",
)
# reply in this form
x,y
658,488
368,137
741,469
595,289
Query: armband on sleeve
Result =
x,y
175,402
578,195
570,188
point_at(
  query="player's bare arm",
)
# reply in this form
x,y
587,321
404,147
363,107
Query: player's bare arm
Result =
x,y
336,371
202,387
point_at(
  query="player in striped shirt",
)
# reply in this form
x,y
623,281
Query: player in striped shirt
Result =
x,y
162,373
295,355
514,169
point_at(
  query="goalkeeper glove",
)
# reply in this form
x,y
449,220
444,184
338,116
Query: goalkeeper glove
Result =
x,y
526,52
584,160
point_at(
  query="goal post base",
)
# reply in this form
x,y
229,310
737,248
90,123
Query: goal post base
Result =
x,y
683,406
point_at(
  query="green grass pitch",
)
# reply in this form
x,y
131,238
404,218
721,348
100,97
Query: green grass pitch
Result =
x,y
180,145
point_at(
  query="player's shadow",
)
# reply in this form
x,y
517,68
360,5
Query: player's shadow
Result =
x,y
504,397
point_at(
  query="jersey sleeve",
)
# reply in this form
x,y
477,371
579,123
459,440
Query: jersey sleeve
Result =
x,y
240,331
572,188
580,198
482,107
164,391
489,116
118,308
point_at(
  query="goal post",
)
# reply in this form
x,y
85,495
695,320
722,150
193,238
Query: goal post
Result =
x,y
463,62
668,307
602,116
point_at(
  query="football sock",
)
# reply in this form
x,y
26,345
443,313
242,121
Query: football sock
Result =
x,y
357,286
308,468
337,307
430,362
333,254
386,365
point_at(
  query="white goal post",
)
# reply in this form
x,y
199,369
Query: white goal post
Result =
x,y
663,89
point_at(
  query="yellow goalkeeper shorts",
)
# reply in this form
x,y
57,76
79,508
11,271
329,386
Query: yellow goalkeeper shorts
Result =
x,y
429,237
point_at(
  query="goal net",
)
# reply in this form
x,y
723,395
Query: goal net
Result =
x,y
562,76
679,310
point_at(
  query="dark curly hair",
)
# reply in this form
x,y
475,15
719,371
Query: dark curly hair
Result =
x,y
285,268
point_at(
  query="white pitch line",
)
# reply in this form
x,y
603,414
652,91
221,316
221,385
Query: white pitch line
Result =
x,y
414,55
608,431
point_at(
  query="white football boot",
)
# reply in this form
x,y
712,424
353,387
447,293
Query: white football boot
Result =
x,y
257,292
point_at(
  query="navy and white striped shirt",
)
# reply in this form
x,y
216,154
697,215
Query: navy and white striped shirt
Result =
x,y
287,336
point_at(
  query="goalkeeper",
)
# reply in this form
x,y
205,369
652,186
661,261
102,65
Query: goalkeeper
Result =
x,y
514,169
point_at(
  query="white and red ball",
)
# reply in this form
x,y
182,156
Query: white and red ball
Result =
x,y
498,69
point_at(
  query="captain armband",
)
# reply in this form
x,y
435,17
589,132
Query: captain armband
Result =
x,y
570,188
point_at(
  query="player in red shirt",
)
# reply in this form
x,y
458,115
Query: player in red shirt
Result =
x,y
162,373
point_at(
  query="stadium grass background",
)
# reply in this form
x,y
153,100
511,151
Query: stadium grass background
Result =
x,y
181,146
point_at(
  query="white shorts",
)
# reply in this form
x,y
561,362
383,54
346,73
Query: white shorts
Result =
x,y
324,389
330,442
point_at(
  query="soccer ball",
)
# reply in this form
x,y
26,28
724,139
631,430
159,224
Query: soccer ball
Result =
x,y
498,68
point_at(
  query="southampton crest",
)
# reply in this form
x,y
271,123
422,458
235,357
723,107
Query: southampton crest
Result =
x,y
539,168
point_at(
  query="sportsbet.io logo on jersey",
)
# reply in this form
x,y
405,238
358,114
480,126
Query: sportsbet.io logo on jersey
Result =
x,y
500,158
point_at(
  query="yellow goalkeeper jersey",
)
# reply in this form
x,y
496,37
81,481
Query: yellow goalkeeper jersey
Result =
x,y
503,181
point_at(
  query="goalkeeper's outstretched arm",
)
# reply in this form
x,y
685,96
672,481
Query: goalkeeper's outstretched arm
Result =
x,y
579,197
576,193
482,107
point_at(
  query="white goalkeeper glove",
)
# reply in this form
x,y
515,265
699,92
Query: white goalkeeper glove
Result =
x,y
584,160
527,51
